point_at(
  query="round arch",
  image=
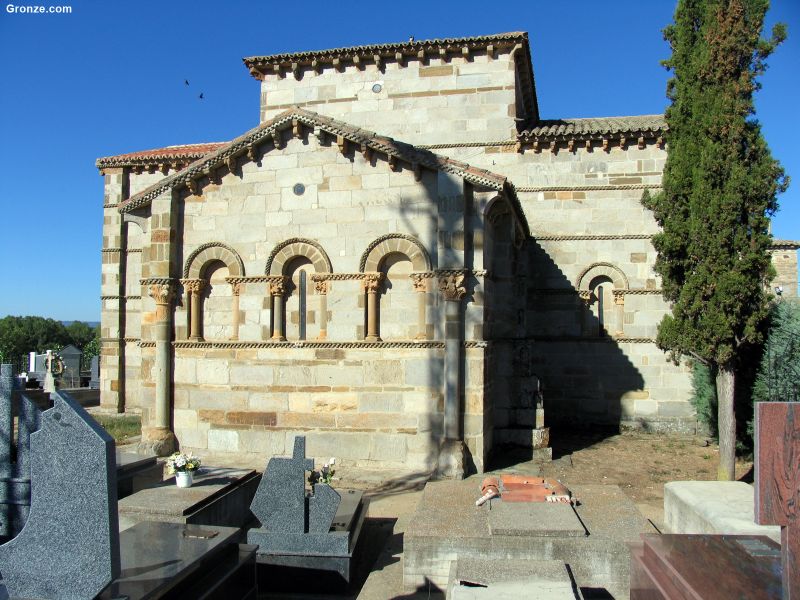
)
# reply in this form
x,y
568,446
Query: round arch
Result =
x,y
602,269
207,253
284,252
395,242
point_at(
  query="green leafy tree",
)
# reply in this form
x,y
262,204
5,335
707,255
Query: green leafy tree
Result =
x,y
20,335
779,373
81,334
719,189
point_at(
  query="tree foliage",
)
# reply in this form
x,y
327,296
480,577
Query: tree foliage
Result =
x,y
720,186
778,377
20,335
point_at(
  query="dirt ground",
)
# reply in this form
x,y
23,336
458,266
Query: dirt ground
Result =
x,y
640,463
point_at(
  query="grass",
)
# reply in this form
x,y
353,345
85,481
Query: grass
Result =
x,y
121,428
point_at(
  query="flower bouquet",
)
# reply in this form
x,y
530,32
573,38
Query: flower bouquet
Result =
x,y
183,467
324,475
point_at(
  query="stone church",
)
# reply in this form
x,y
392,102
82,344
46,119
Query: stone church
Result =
x,y
402,262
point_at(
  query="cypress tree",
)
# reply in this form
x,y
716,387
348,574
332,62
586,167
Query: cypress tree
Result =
x,y
719,190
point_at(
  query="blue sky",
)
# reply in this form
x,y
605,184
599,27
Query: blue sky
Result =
x,y
108,78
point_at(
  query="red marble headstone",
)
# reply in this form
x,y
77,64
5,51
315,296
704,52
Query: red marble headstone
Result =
x,y
777,497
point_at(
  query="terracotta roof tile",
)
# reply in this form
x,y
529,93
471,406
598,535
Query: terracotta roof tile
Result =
x,y
182,152
593,127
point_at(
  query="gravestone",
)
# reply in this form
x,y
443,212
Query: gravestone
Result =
x,y
777,499
15,482
94,382
71,360
317,530
69,546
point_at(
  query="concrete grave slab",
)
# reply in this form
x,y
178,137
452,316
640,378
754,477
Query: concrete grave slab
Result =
x,y
721,507
536,519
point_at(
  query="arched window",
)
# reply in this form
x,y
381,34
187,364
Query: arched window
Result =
x,y
602,304
602,287
217,300
300,316
398,303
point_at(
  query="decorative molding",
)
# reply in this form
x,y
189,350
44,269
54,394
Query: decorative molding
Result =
x,y
592,238
476,344
111,205
320,259
336,276
566,339
132,340
133,250
104,250
572,291
157,281
420,259
229,256
607,269
147,344
299,345
587,188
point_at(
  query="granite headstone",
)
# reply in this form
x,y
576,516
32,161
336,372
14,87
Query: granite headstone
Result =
x,y
69,547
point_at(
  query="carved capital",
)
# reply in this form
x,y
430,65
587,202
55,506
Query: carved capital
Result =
x,y
194,286
452,287
419,282
619,297
372,282
586,296
321,286
162,293
277,287
237,288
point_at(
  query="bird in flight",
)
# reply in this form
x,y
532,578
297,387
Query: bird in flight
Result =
x,y
186,82
200,96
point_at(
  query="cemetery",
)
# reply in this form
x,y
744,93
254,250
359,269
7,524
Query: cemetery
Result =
x,y
111,525
365,368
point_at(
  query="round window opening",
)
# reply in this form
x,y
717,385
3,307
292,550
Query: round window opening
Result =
x,y
377,88
299,189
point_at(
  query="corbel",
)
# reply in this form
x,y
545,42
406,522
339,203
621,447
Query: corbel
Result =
x,y
340,141
276,68
518,147
398,56
443,54
251,152
571,146
554,146
151,168
337,64
589,145
192,185
176,165
211,173
319,133
295,128
417,171
605,144
164,168
357,62
623,142
316,66
230,162
276,139
660,142
465,52
490,51
255,72
366,151
421,55
378,61
138,169
536,147
640,142
392,162
296,70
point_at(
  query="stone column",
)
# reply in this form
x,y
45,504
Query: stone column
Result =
x,y
195,288
159,438
236,288
421,287
372,284
586,311
277,288
451,454
321,286
619,309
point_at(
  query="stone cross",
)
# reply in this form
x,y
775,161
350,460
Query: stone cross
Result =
x,y
777,498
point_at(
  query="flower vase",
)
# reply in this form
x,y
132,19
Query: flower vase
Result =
x,y
184,479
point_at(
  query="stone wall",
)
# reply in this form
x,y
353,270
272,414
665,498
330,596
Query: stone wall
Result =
x,y
456,99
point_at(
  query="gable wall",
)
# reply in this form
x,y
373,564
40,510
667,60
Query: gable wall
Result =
x,y
451,99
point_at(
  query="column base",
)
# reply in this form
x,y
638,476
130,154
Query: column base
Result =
x,y
278,338
196,338
157,440
451,461
373,338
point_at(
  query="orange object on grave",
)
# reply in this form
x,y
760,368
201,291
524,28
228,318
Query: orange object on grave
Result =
x,y
521,488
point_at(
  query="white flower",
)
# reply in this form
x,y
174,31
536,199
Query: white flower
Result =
x,y
180,461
